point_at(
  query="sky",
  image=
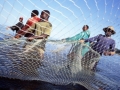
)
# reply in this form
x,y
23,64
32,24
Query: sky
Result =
x,y
67,16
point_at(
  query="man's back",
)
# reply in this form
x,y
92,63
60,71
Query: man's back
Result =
x,y
32,20
29,23
43,28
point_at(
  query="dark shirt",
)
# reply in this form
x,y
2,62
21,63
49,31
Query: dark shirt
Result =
x,y
102,43
17,27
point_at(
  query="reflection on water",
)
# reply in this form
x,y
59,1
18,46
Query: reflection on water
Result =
x,y
15,84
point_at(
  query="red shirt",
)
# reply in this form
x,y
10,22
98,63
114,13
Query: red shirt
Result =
x,y
29,23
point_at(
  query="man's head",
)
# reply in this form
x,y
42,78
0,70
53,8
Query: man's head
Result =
x,y
45,14
85,27
34,13
109,31
21,19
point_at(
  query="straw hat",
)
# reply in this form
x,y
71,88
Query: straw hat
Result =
x,y
109,27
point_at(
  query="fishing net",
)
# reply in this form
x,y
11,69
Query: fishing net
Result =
x,y
62,62
58,66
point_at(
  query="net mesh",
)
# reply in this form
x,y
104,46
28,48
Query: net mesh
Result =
x,y
63,62
27,64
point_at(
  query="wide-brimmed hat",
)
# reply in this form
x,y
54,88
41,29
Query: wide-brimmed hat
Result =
x,y
109,28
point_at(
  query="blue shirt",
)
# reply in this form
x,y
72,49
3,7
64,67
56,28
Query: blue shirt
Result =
x,y
102,43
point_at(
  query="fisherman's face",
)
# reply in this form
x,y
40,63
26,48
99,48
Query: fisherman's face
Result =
x,y
44,15
20,19
108,33
84,28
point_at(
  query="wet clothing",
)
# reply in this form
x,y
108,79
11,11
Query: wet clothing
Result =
x,y
81,35
29,23
17,27
40,28
102,43
32,20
